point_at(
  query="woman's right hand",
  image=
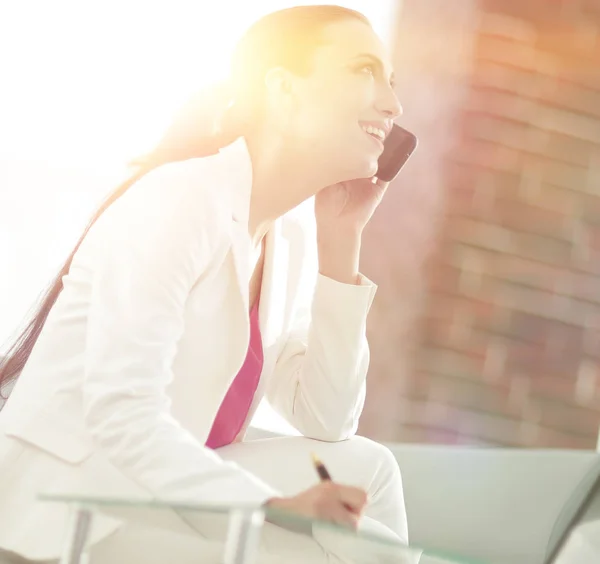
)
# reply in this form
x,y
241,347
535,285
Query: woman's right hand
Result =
x,y
326,501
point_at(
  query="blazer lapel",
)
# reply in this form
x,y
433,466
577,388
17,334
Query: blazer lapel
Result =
x,y
274,285
240,249
238,169
272,307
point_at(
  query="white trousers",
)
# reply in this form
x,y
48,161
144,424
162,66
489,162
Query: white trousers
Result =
x,y
285,463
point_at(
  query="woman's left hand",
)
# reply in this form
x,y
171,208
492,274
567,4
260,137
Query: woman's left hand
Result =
x,y
348,206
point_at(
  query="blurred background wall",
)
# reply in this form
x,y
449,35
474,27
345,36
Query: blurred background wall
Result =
x,y
486,326
487,329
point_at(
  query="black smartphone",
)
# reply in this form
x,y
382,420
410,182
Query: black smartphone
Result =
x,y
397,148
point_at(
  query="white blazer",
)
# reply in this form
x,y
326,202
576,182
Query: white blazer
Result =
x,y
125,381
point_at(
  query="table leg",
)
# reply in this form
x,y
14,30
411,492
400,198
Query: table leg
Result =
x,y
75,547
243,536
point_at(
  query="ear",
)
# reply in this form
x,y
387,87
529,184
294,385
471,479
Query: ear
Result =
x,y
279,82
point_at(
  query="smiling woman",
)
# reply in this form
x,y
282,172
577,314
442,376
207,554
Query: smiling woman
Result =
x,y
193,294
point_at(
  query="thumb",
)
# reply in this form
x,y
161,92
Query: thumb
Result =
x,y
380,183
377,188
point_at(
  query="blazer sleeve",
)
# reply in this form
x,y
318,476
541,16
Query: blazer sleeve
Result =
x,y
319,382
145,254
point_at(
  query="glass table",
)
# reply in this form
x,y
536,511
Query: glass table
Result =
x,y
242,526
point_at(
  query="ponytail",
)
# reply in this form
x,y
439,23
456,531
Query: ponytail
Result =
x,y
207,123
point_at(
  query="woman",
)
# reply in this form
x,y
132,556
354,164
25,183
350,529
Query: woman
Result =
x,y
191,297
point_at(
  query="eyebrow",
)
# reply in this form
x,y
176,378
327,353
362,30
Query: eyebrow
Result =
x,y
375,60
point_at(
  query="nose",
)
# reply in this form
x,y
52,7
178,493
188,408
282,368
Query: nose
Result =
x,y
388,104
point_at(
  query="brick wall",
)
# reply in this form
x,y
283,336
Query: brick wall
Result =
x,y
502,342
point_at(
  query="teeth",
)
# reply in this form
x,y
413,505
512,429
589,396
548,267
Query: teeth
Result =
x,y
375,131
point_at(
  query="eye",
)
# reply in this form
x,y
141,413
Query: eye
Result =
x,y
367,69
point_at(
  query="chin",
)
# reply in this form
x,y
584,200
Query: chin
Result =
x,y
373,168
367,170
358,166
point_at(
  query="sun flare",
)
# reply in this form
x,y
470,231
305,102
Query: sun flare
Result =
x,y
99,85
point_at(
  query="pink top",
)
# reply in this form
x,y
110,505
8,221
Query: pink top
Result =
x,y
236,404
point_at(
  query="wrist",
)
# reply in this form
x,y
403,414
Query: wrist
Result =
x,y
272,502
339,257
335,233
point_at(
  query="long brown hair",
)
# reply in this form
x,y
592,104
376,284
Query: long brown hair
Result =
x,y
287,38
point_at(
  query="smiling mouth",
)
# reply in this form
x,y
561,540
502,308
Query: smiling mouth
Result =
x,y
375,132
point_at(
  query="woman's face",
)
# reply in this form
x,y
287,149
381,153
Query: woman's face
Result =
x,y
341,111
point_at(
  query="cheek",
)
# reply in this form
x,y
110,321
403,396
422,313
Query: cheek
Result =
x,y
342,100
335,97
329,114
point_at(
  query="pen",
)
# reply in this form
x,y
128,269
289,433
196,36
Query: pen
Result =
x,y
320,468
325,476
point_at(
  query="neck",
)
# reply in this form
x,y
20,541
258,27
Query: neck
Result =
x,y
282,178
